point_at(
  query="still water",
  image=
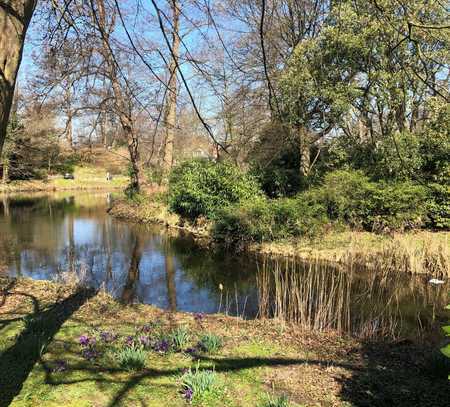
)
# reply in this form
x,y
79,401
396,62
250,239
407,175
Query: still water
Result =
x,y
43,237
55,236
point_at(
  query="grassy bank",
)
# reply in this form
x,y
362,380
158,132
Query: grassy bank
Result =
x,y
86,177
49,357
420,251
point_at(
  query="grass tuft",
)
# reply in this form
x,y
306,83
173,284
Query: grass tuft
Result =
x,y
131,358
279,401
198,383
210,343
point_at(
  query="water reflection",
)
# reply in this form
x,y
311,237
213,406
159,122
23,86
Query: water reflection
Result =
x,y
48,236
44,236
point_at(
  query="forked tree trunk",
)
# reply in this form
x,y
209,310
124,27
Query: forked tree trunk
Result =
x,y
15,16
170,115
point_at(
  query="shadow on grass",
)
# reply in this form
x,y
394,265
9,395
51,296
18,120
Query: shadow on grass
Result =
x,y
386,378
221,365
40,327
399,375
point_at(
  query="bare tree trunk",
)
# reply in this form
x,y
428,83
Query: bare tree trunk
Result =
x,y
123,111
15,16
305,152
170,116
69,114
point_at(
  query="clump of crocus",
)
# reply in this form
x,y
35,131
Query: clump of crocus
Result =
x,y
90,353
60,366
84,340
188,394
144,341
129,340
108,337
162,346
199,316
88,344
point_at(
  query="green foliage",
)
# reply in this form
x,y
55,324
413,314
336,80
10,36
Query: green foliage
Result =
x,y
266,220
131,357
273,401
351,198
202,187
438,206
210,343
198,383
180,338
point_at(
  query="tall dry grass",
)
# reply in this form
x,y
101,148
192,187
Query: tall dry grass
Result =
x,y
362,295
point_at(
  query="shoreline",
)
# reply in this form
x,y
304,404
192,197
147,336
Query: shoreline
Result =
x,y
417,248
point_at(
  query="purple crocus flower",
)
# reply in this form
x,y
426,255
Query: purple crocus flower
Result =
x,y
129,341
108,336
199,316
84,340
188,394
162,346
89,354
60,366
145,341
146,328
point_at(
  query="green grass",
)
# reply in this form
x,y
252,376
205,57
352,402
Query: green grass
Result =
x,y
86,177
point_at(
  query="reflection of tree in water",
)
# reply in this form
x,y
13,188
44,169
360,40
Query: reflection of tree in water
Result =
x,y
208,269
129,289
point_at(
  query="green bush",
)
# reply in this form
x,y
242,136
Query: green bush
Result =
x,y
202,187
351,198
266,220
397,206
438,206
346,196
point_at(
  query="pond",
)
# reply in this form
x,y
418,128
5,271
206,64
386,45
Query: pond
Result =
x,y
61,235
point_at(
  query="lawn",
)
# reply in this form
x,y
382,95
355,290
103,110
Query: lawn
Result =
x,y
62,345
85,177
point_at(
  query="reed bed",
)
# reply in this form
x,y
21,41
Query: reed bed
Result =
x,y
361,296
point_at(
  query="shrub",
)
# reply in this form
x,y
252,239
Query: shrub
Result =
x,y
350,197
267,220
346,196
131,357
438,206
197,384
399,206
210,343
201,187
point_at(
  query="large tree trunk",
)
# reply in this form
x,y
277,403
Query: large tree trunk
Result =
x,y
15,16
170,116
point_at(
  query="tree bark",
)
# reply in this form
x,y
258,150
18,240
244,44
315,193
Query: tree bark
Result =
x,y
170,115
15,17
305,152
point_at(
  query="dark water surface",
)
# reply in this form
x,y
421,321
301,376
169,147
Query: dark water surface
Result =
x,y
55,236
